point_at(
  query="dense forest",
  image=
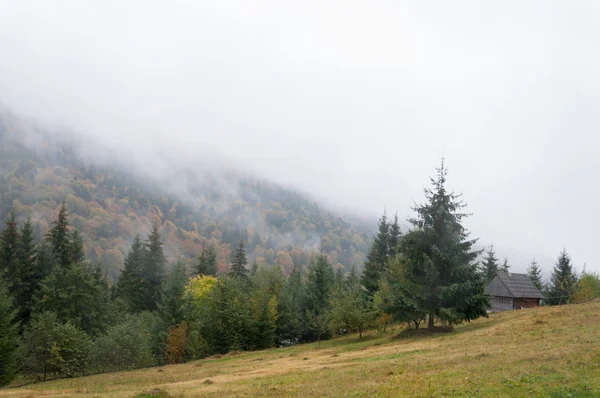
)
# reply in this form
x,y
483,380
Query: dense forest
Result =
x,y
65,311
110,204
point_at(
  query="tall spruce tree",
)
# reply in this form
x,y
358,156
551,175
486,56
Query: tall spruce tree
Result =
x,y
130,286
9,336
59,239
319,285
238,265
9,258
77,252
535,273
395,236
76,291
153,270
382,242
377,258
441,276
490,264
207,261
290,323
562,280
29,274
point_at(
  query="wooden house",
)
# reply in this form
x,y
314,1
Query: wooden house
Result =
x,y
511,291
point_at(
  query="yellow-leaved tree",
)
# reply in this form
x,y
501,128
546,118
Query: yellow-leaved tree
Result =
x,y
196,295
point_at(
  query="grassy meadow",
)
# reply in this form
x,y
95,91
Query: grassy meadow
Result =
x,y
545,352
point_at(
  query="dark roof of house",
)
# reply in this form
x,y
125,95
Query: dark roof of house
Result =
x,y
513,285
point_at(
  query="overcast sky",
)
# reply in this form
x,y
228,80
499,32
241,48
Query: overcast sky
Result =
x,y
354,102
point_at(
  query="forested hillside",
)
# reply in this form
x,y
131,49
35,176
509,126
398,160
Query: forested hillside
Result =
x,y
111,204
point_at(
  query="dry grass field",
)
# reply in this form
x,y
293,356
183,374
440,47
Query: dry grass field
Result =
x,y
545,352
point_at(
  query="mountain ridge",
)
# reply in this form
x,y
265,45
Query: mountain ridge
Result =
x,y
112,202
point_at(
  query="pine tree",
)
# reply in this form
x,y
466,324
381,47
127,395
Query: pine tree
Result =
x,y
130,286
382,242
29,274
490,264
319,285
77,252
238,265
207,261
371,273
170,308
59,239
377,258
395,236
562,281
505,267
78,295
153,271
440,275
290,323
9,336
9,258
535,273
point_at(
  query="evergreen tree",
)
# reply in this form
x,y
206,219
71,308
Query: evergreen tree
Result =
x,y
371,272
377,258
77,253
29,274
505,266
395,236
8,336
59,239
9,258
440,275
207,261
130,286
382,242
78,295
290,323
45,261
490,264
227,320
535,273
153,270
562,280
319,286
238,265
170,308
54,349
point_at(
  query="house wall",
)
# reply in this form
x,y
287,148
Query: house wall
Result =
x,y
501,303
526,302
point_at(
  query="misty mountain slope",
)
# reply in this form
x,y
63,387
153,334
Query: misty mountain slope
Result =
x,y
111,203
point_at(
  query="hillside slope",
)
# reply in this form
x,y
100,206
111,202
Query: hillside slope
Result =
x,y
112,201
547,352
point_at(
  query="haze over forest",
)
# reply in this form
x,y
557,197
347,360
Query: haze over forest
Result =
x,y
351,103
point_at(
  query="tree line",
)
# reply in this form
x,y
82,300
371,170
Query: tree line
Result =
x,y
60,317
565,285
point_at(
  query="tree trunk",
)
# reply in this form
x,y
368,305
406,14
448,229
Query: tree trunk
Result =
x,y
430,324
360,333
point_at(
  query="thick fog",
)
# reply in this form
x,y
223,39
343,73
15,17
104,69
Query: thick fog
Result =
x,y
354,102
